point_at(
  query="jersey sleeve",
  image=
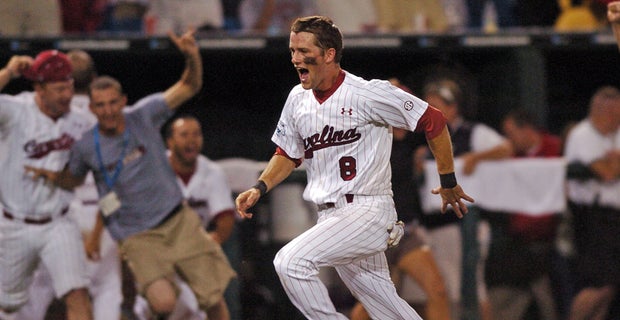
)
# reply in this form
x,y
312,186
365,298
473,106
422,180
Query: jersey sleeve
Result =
x,y
152,107
77,166
392,105
285,135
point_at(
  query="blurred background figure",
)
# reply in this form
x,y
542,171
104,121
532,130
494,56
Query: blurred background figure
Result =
x,y
594,144
273,17
473,142
353,16
521,242
166,15
30,18
405,16
124,16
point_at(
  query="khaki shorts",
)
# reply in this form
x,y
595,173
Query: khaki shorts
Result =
x,y
179,245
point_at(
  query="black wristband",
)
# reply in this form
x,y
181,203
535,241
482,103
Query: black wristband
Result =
x,y
261,186
448,180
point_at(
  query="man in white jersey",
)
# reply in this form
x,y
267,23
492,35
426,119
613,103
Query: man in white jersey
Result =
x,y
34,228
206,190
103,269
341,125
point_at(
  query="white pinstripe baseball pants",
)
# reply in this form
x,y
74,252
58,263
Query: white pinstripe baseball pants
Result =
x,y
351,238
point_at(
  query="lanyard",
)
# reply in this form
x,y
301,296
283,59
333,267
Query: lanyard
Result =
x,y
119,163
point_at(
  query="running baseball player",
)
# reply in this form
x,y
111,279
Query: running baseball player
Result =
x,y
341,126
103,267
34,228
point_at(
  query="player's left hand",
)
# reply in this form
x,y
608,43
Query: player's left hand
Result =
x,y
245,201
396,231
453,197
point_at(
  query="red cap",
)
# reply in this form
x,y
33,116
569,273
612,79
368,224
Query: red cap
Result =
x,y
49,65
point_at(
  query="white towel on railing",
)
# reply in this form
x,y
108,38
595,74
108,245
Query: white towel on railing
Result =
x,y
532,186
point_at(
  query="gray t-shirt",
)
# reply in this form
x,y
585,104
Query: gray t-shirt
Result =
x,y
146,184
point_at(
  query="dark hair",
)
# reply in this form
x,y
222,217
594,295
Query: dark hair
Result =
x,y
326,33
83,69
523,118
167,132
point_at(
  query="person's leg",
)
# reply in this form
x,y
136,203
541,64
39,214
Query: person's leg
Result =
x,y
509,303
342,237
541,289
369,281
41,294
162,296
420,265
592,303
78,305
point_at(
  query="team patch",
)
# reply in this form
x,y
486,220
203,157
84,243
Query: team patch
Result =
x,y
408,105
281,129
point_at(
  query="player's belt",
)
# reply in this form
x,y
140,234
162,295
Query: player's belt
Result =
x,y
329,205
45,220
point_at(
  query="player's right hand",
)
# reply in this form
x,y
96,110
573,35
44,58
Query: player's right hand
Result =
x,y
453,197
18,64
245,201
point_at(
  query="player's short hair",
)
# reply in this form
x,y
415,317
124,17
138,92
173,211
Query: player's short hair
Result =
x,y
523,118
83,69
168,127
104,82
325,32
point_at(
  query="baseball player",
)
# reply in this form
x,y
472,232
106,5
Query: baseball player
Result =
x,y
103,267
206,190
341,126
34,229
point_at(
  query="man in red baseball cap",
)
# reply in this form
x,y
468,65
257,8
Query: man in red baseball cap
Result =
x,y
38,129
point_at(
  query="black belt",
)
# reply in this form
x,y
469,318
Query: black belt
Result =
x,y
329,205
171,214
45,220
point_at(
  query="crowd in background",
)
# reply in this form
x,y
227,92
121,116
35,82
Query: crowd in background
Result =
x,y
273,17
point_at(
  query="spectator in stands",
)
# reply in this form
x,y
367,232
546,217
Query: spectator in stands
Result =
x,y
523,242
353,16
79,17
594,143
411,16
30,18
579,15
174,15
273,17
472,143
124,16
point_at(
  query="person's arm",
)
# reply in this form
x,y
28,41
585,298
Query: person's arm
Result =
x,y
14,69
92,243
451,193
471,159
224,224
278,169
63,179
613,15
191,79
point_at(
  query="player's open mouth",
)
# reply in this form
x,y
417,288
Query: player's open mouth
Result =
x,y
303,74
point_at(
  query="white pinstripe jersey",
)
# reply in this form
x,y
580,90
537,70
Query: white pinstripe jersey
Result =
x,y
207,192
32,138
346,141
